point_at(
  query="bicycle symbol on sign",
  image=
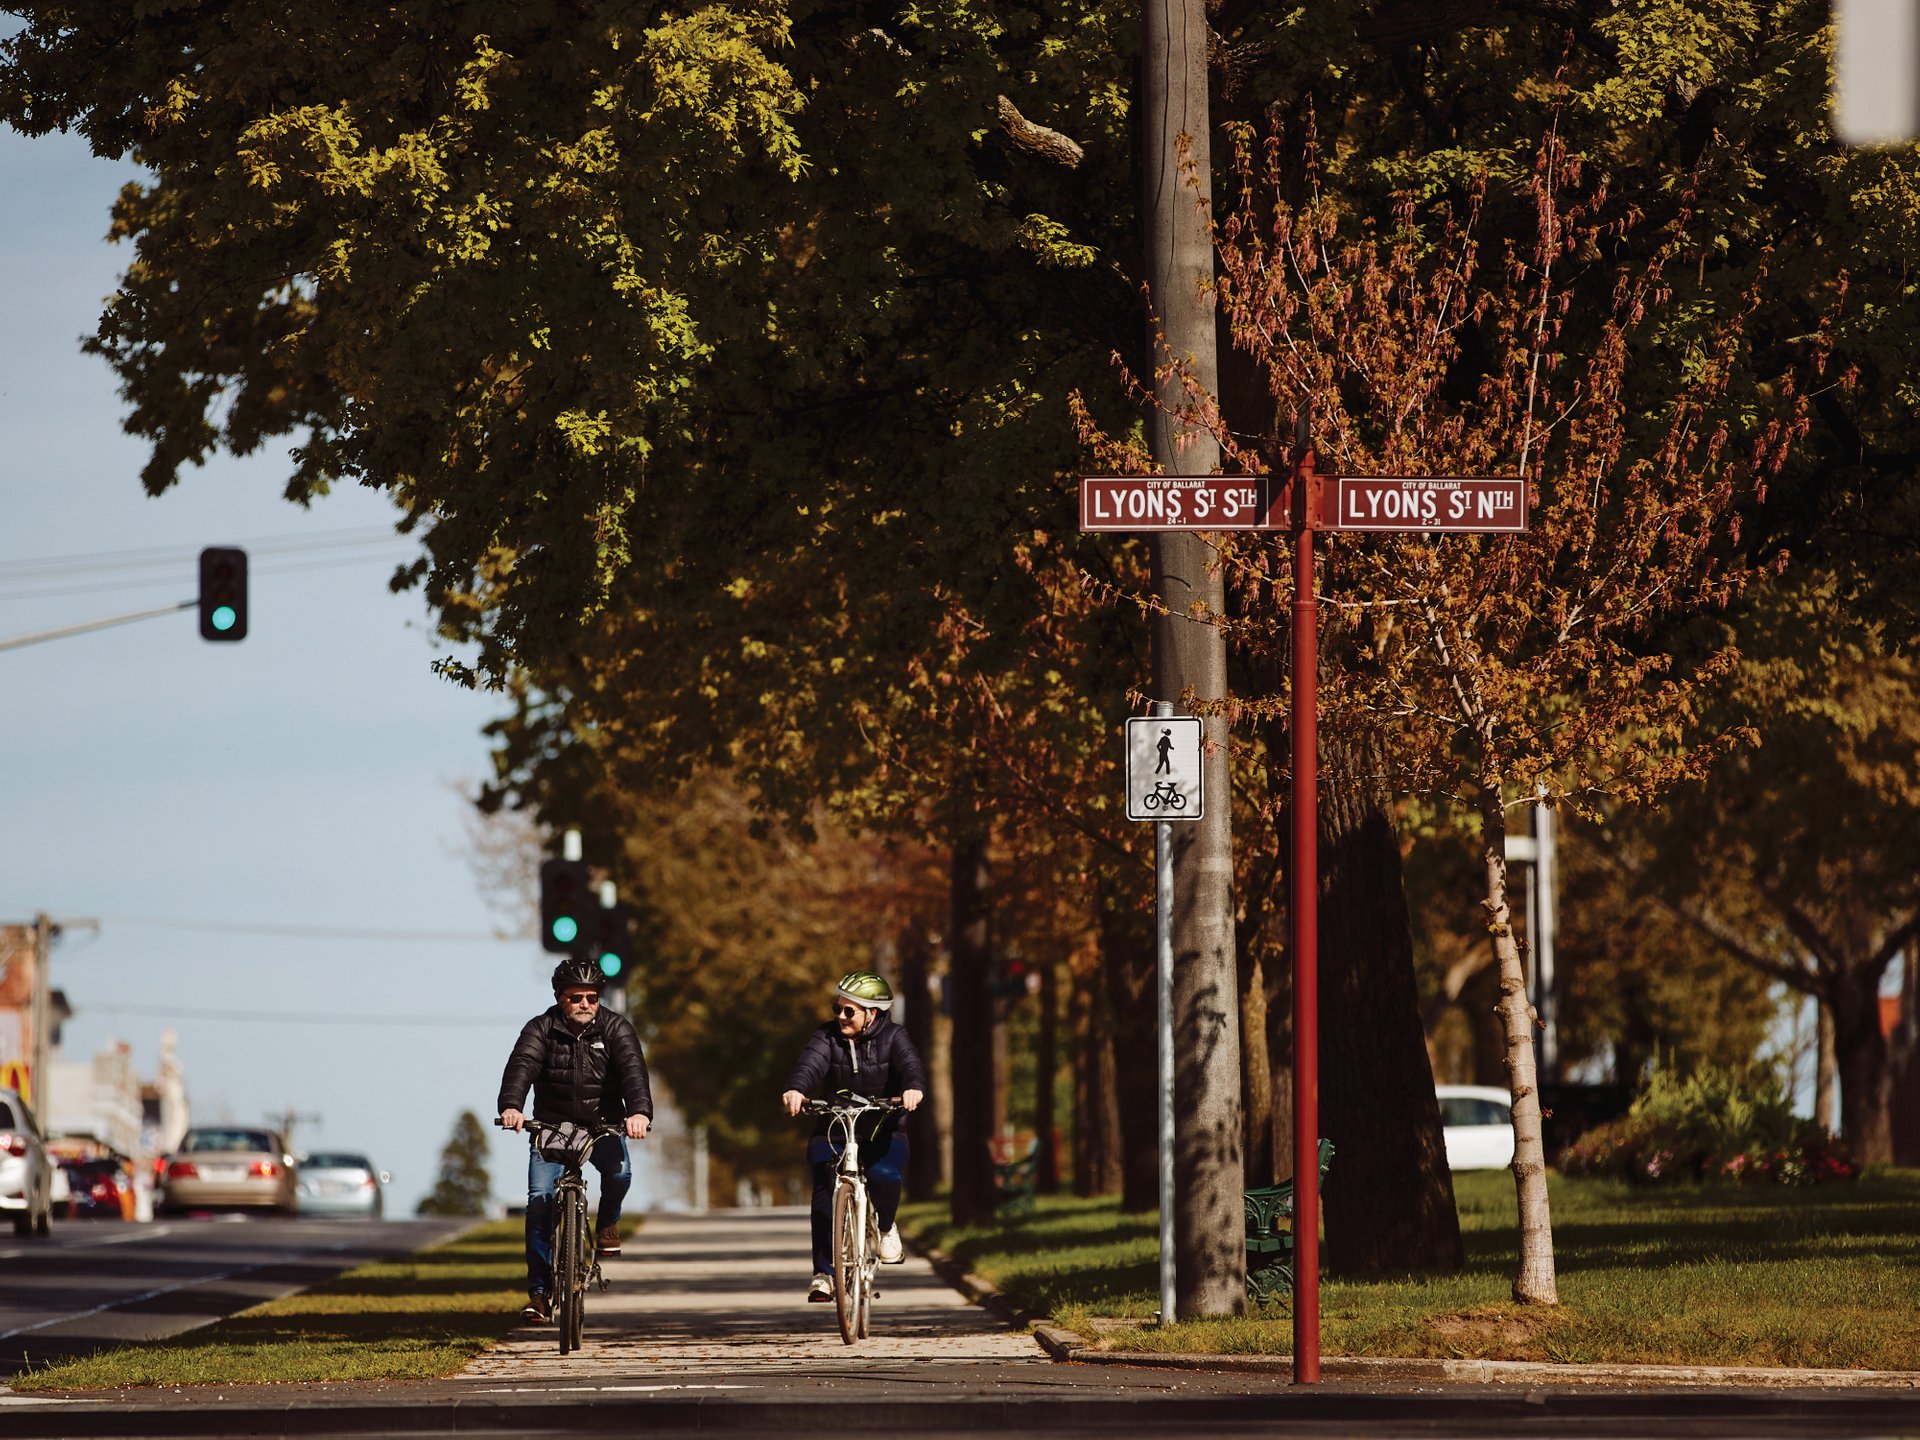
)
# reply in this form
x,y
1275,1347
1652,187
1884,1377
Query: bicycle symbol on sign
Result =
x,y
1166,793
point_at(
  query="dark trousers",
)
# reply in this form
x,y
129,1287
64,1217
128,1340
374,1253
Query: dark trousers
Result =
x,y
883,1186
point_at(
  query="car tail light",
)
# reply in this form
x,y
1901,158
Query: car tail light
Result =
x,y
182,1170
265,1169
104,1191
367,1182
13,1144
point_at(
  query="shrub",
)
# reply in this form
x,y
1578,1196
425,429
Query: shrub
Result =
x,y
1712,1124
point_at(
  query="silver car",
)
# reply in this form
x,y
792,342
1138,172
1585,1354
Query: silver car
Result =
x,y
333,1182
26,1170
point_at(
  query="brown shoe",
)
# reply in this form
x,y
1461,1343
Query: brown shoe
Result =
x,y
609,1240
537,1308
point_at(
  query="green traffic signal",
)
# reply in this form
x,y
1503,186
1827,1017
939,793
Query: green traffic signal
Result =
x,y
611,965
223,617
566,929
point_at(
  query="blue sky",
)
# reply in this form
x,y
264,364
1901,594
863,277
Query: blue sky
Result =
x,y
306,777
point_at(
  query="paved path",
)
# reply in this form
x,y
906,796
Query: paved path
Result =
x,y
726,1290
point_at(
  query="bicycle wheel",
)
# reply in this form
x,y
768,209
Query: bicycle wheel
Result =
x,y
582,1265
566,1258
869,1262
849,1241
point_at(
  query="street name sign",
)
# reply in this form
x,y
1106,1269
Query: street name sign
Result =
x,y
1179,502
1164,762
1409,502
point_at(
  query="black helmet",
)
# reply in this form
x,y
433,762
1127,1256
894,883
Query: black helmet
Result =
x,y
573,973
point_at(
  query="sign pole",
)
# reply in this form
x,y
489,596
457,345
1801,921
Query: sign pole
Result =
x,y
1305,908
1163,968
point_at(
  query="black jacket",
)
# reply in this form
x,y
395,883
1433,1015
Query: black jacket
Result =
x,y
879,1063
598,1074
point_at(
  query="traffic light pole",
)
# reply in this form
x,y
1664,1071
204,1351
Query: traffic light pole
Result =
x,y
17,641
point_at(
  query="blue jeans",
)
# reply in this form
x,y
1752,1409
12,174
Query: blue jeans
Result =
x,y
609,1157
883,1185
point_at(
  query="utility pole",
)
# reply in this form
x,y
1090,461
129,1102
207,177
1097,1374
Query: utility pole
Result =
x,y
42,1011
287,1119
1190,658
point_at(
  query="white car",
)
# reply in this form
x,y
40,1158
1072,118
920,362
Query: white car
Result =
x,y
26,1170
1477,1124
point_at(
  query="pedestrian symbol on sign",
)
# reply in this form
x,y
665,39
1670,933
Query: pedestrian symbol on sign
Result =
x,y
1163,768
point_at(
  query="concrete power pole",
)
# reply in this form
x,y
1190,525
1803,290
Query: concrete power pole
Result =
x,y
1190,657
42,1016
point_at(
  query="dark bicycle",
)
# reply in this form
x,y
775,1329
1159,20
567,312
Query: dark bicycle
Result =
x,y
575,1266
856,1223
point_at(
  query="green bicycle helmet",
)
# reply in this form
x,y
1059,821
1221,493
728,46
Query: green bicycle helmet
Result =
x,y
863,987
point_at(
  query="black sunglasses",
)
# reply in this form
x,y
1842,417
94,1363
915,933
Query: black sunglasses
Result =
x,y
846,1012
586,998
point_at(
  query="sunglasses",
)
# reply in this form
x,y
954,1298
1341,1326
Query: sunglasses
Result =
x,y
586,997
846,1012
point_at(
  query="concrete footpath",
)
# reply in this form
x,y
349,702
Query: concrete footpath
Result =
x,y
705,1328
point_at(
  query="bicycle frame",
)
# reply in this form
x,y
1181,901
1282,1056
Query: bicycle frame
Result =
x,y
856,1225
575,1265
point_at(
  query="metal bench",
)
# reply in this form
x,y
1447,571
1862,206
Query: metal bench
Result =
x,y
1270,1236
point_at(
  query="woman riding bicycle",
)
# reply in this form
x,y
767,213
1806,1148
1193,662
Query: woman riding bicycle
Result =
x,y
860,1051
585,1065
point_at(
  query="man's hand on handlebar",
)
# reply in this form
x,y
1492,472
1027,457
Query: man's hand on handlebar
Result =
x,y
512,1120
793,1100
910,1099
637,1127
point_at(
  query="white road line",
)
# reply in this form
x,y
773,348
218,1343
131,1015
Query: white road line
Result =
x,y
24,1252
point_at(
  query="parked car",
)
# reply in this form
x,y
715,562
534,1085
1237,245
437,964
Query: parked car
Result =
x,y
334,1182
1476,1122
99,1189
26,1171
220,1166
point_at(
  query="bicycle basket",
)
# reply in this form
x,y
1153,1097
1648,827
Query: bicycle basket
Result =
x,y
566,1143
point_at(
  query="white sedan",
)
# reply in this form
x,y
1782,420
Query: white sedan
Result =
x,y
1477,1124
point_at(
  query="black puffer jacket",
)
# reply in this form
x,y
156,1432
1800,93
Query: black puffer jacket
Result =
x,y
879,1063
599,1074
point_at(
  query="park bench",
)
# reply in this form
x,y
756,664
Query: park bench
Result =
x,y
1270,1235
1013,1177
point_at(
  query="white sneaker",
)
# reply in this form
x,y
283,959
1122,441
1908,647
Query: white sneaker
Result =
x,y
892,1252
821,1290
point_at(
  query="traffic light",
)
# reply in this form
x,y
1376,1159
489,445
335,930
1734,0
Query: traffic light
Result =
x,y
223,593
612,937
566,906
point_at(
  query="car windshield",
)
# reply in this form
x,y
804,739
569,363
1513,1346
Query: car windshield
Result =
x,y
229,1141
1472,1110
337,1161
7,1120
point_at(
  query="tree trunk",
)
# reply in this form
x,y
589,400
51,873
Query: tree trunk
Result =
x,y
1534,1284
923,1158
1904,1121
1097,1146
1190,666
1127,963
1046,1173
1256,1073
1865,1076
971,989
1389,1194
1826,1068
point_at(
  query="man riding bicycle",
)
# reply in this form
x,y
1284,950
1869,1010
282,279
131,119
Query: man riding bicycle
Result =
x,y
585,1066
860,1051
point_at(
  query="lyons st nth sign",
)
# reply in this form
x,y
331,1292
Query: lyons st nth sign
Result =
x,y
1482,504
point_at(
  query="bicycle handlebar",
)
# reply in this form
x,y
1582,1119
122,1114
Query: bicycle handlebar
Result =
x,y
852,1105
598,1129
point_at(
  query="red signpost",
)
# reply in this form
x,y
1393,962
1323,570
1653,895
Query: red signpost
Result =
x,y
1403,503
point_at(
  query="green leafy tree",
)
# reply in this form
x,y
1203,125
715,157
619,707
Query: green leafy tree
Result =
x,y
463,1187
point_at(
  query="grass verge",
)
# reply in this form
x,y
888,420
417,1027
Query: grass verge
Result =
x,y
414,1319
1823,1277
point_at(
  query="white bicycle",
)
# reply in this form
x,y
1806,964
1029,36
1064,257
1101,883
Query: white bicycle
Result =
x,y
856,1225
